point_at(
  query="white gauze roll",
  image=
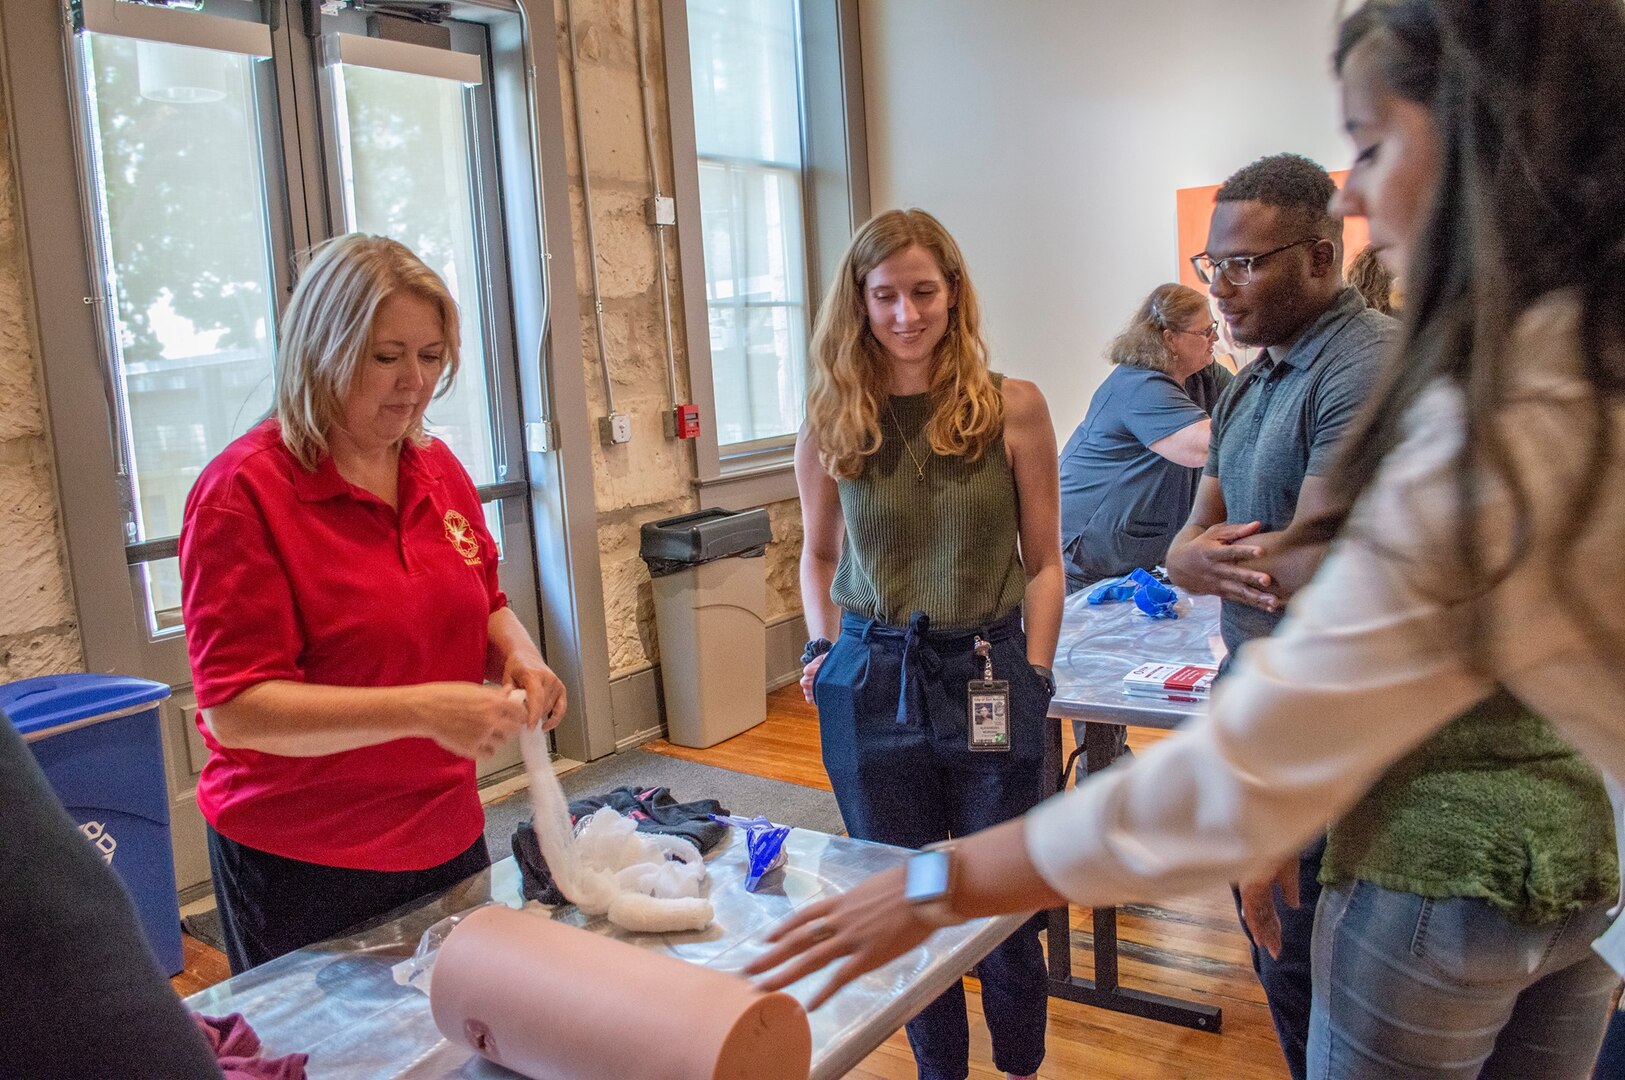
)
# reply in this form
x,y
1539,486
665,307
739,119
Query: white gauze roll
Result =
x,y
611,869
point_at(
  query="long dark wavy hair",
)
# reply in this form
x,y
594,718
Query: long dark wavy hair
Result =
x,y
1528,100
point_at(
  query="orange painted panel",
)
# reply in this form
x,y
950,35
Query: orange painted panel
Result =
x,y
1194,205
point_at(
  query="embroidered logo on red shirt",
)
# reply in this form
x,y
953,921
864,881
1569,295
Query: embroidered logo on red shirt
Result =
x,y
461,535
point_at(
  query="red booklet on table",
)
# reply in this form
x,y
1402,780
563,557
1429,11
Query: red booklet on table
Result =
x,y
1172,682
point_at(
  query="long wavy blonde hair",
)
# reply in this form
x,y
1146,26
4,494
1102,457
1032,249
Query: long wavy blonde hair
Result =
x,y
850,369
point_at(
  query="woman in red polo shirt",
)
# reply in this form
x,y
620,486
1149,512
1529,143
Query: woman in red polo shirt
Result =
x,y
343,615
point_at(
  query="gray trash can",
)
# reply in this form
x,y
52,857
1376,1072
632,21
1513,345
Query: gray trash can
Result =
x,y
710,591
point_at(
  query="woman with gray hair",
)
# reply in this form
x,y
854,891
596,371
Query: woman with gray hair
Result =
x,y
1129,471
342,615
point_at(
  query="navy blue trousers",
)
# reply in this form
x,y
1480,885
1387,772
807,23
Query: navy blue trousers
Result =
x,y
897,752
1288,985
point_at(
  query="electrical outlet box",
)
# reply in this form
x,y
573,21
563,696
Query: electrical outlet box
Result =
x,y
685,421
615,428
660,210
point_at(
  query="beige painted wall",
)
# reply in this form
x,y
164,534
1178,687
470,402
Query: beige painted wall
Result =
x,y
1072,125
39,634
648,478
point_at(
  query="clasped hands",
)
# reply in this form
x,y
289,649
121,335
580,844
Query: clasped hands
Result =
x,y
1244,564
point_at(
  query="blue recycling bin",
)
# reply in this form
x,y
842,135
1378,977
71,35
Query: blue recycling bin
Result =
x,y
96,738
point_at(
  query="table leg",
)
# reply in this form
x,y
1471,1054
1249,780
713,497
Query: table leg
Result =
x,y
1100,748
1103,991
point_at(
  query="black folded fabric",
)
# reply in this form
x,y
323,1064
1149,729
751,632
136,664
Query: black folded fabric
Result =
x,y
654,810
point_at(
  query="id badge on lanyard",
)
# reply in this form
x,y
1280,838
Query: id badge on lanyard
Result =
x,y
988,705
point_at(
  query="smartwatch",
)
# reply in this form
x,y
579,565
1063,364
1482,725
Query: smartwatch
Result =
x,y
928,884
1047,675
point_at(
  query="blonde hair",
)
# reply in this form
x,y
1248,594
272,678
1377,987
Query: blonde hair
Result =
x,y
850,369
1372,280
328,325
1140,344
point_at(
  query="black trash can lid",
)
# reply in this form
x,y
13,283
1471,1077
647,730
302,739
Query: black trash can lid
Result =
x,y
698,538
49,701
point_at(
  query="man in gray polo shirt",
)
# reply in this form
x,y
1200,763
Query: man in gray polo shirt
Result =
x,y
1274,264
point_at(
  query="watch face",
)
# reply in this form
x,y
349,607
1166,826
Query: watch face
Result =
x,y
926,877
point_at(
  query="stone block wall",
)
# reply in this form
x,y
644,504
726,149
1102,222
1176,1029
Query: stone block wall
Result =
x,y
38,631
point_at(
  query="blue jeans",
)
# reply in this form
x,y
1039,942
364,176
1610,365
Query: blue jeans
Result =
x,y
897,752
1412,987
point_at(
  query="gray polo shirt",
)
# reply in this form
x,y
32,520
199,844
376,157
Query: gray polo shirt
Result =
x,y
1281,420
1121,502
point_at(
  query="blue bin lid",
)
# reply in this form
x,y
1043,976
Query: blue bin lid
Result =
x,y
51,700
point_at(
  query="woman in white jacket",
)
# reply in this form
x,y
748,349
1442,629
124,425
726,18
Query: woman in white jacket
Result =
x,y
1479,544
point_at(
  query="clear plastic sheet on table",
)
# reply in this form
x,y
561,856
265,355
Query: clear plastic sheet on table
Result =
x,y
340,1000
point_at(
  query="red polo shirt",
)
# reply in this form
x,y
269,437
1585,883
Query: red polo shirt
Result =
x,y
289,574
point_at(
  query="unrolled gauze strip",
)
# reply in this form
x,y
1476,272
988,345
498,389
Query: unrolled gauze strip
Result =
x,y
554,1002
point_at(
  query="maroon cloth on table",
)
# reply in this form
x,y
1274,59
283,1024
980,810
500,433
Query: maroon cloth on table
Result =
x,y
237,1050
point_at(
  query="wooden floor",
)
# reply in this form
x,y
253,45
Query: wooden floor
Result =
x,y
1188,948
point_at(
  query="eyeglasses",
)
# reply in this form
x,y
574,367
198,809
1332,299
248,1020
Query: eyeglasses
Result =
x,y
1238,269
1210,331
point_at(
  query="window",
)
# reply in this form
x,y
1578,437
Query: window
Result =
x,y
770,175
176,175
403,145
744,57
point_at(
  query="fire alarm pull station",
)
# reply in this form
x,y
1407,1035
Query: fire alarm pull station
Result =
x,y
686,421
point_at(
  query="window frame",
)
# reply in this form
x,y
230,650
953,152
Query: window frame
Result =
x,y
835,201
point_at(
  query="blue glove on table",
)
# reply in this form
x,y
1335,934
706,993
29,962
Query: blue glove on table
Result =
x,y
1109,592
1153,597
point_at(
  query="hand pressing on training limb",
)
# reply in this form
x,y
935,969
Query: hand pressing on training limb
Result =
x,y
873,923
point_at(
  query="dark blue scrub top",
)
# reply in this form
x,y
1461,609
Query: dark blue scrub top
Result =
x,y
1121,503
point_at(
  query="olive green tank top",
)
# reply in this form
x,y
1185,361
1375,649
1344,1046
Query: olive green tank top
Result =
x,y
944,545
1495,806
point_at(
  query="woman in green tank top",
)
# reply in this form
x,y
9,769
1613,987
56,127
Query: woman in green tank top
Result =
x,y
931,508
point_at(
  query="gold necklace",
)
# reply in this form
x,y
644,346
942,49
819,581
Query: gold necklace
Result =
x,y
919,467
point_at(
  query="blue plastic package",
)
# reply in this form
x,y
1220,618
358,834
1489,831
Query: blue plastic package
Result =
x,y
1153,597
764,844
